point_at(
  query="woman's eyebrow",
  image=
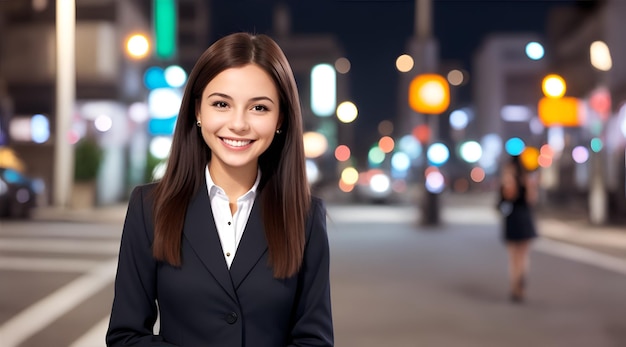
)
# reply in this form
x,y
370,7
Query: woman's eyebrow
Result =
x,y
221,95
259,98
226,96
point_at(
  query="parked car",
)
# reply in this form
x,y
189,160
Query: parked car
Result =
x,y
18,194
374,186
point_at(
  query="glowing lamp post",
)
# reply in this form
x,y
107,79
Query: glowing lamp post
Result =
x,y
137,46
554,108
429,94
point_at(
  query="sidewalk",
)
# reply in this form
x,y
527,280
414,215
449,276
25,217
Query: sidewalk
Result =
x,y
557,224
113,214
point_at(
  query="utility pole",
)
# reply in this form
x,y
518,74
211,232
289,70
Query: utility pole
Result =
x,y
425,50
65,99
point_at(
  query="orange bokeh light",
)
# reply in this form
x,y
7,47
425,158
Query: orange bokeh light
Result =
x,y
342,153
345,187
386,144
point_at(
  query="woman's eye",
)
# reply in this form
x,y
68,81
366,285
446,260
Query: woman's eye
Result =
x,y
259,108
220,104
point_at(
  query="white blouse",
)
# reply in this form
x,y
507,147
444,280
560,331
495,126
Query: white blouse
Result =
x,y
230,227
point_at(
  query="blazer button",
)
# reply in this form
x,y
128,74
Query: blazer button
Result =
x,y
231,318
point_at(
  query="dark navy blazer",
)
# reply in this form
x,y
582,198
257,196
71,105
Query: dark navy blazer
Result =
x,y
203,303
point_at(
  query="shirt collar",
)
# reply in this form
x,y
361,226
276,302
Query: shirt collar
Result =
x,y
214,188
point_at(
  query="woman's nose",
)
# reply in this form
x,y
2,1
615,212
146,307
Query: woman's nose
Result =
x,y
238,121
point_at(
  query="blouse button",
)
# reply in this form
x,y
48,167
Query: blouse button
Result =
x,y
228,254
228,223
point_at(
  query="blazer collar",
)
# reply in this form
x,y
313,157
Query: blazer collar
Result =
x,y
202,235
252,246
201,232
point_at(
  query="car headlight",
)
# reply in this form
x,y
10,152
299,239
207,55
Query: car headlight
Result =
x,y
380,183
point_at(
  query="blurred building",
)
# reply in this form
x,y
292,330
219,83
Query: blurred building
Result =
x,y
305,52
571,33
505,76
506,88
107,79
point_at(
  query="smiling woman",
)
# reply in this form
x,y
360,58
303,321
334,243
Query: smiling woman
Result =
x,y
229,243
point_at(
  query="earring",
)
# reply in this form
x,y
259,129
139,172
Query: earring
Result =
x,y
198,123
278,131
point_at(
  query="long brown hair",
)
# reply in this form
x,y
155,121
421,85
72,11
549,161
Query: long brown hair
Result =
x,y
284,192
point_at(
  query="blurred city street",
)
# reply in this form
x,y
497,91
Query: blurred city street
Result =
x,y
394,282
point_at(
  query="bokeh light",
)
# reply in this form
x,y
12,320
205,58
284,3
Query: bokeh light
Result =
x,y
175,76
534,50
470,151
409,145
375,156
529,158
350,175
313,173
438,154
435,182
342,153
459,119
39,128
103,123
400,162
385,128
347,112
160,146
596,144
553,86
477,174
343,65
386,144
315,144
138,46
580,154
514,146
455,77
323,90
404,63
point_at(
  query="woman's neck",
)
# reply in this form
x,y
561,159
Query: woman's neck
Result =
x,y
235,181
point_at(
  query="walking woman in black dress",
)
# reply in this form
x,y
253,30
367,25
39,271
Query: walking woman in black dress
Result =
x,y
519,193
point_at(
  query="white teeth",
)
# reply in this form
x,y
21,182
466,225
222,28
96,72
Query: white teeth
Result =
x,y
236,143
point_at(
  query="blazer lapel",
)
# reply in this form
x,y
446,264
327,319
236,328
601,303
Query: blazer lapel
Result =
x,y
251,247
202,235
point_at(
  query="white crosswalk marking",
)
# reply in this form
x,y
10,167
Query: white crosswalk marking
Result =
x,y
60,246
88,251
45,311
95,336
47,264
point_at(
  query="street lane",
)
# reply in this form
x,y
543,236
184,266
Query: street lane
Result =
x,y
395,283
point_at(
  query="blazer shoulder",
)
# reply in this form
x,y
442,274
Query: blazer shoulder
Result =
x,y
141,203
317,205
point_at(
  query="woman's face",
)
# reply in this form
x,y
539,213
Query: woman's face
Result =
x,y
239,114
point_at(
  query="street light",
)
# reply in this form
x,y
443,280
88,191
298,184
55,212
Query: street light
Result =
x,y
553,86
429,94
600,56
138,46
555,109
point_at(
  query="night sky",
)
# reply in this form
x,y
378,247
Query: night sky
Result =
x,y
375,33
